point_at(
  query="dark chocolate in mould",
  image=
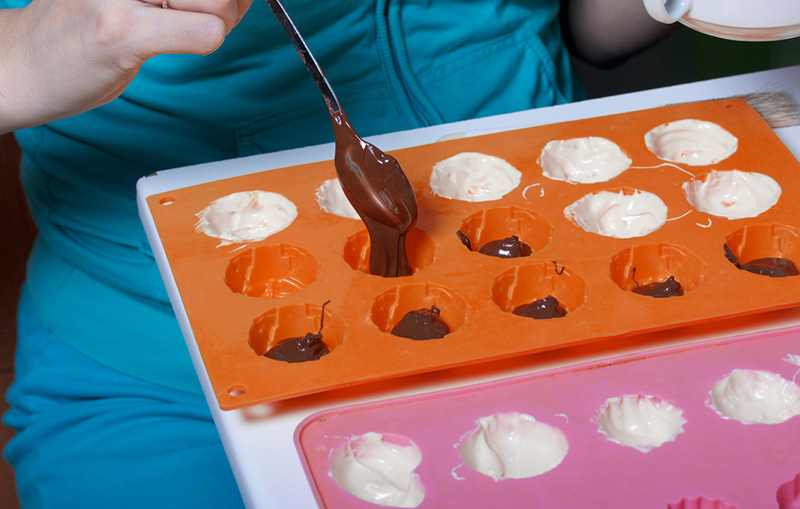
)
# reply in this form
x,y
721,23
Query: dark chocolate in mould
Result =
x,y
421,324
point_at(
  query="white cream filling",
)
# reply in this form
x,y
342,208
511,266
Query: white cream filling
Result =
x,y
583,160
751,396
513,446
379,471
690,141
733,194
246,216
640,421
618,215
331,199
474,177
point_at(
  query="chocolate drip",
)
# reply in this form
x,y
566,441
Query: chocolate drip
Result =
x,y
542,309
660,290
772,267
509,247
421,324
381,194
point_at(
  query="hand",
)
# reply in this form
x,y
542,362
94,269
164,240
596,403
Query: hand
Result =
x,y
59,58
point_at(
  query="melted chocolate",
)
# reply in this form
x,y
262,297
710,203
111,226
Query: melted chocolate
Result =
x,y
381,194
509,247
660,290
421,324
541,309
464,239
308,348
772,267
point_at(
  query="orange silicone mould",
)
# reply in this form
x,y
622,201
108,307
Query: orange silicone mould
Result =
x,y
240,299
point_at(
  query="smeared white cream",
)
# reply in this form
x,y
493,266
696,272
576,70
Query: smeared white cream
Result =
x,y
640,421
692,142
513,446
733,194
246,216
331,199
583,160
618,215
378,471
753,396
474,177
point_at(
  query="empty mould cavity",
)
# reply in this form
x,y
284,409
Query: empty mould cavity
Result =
x,y
640,421
420,248
625,214
753,396
788,495
246,216
271,271
513,446
657,270
583,160
492,232
331,199
701,503
419,311
690,141
380,469
474,177
732,194
767,249
297,333
543,290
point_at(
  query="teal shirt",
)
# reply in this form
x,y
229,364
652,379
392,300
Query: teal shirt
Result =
x,y
395,65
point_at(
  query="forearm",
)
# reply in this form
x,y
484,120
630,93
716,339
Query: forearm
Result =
x,y
603,32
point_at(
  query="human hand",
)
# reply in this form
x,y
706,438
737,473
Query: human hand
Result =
x,y
60,58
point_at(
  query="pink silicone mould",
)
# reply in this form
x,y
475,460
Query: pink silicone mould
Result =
x,y
715,463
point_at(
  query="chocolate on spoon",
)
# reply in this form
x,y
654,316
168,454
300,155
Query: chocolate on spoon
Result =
x,y
373,181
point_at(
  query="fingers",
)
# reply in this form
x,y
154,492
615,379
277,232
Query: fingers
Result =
x,y
190,26
174,31
229,11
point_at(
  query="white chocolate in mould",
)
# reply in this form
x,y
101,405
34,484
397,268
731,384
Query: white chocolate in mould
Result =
x,y
691,141
733,194
513,446
643,422
620,215
377,470
583,160
246,216
331,199
755,396
473,177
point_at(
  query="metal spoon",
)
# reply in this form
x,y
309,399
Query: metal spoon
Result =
x,y
372,180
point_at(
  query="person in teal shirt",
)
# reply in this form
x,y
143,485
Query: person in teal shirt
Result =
x,y
106,404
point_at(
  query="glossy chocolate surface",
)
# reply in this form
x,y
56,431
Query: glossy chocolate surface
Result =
x,y
769,266
660,289
542,309
308,348
381,194
421,324
509,247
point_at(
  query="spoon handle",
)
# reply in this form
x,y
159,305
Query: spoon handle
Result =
x,y
308,59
